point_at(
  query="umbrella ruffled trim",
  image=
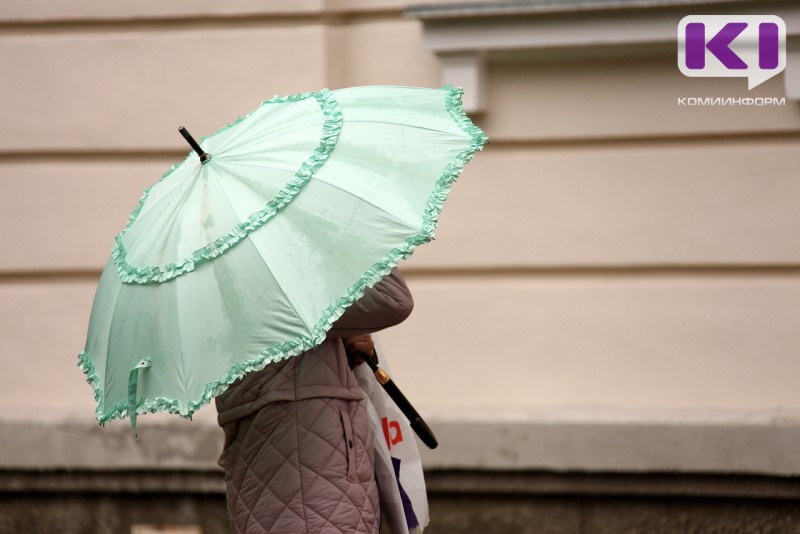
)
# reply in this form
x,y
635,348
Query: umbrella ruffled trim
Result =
x,y
332,126
441,189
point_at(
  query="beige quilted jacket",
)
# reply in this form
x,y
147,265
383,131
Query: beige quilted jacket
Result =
x,y
298,453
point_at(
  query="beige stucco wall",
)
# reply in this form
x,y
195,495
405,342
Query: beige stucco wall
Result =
x,y
608,253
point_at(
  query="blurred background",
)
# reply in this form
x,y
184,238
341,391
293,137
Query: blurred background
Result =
x,y
605,337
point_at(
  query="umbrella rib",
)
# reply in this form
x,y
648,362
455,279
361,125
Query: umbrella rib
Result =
x,y
458,134
110,325
235,331
277,282
213,265
228,313
181,202
238,133
230,159
311,238
293,172
177,306
228,202
180,345
274,133
249,182
364,200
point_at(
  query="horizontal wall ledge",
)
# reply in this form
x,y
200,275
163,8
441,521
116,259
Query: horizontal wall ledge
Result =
x,y
731,443
597,445
667,484
49,10
111,481
443,10
437,482
653,272
54,11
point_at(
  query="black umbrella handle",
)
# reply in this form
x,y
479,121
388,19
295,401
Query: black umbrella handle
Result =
x,y
418,425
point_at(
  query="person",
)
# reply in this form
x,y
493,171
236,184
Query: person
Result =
x,y
298,452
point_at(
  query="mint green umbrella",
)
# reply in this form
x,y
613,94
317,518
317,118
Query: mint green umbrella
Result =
x,y
248,254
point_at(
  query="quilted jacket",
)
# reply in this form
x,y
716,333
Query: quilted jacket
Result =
x,y
298,454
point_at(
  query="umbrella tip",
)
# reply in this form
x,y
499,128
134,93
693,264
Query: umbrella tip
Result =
x,y
204,156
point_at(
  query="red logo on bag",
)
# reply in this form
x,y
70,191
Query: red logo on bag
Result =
x,y
388,426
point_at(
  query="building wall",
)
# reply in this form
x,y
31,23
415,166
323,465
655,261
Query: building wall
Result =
x,y
611,265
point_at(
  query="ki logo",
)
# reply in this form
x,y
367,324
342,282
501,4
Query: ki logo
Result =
x,y
742,46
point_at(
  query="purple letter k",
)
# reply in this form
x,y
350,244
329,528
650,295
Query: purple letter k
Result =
x,y
718,45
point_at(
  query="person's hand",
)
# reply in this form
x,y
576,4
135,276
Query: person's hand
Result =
x,y
358,345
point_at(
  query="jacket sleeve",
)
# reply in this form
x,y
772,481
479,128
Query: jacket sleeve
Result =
x,y
385,304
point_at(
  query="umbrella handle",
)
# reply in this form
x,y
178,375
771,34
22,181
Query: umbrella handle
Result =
x,y
418,425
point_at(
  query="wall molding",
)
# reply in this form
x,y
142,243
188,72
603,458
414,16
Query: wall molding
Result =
x,y
467,36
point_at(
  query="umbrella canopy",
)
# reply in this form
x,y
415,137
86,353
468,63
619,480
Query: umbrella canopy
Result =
x,y
249,257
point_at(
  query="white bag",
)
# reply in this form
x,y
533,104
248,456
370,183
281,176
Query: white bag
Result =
x,y
398,468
